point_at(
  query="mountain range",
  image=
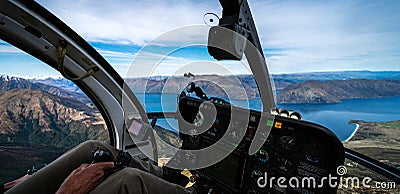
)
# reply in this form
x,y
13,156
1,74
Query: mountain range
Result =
x,y
32,109
41,114
315,88
41,118
320,92
339,75
157,83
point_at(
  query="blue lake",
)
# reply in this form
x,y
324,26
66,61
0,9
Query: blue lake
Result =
x,y
336,116
332,116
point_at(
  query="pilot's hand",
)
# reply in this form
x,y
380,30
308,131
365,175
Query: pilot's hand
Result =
x,y
11,184
85,178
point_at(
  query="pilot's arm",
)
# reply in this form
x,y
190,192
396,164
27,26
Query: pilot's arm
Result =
x,y
67,170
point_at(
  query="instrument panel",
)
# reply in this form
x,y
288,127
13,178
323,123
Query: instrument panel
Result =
x,y
287,150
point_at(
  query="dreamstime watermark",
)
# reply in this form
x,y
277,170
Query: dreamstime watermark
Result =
x,y
332,181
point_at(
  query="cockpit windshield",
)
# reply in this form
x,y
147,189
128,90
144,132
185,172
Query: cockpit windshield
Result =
x,y
336,63
333,63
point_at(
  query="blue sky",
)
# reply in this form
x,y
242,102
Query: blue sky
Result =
x,y
297,36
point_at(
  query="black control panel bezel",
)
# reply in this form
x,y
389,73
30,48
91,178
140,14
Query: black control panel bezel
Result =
x,y
306,133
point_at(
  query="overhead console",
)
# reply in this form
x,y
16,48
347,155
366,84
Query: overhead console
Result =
x,y
260,147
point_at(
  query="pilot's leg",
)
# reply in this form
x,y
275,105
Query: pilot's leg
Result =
x,y
49,179
132,180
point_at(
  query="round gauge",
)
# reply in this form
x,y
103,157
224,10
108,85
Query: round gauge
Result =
x,y
255,175
285,165
288,143
262,156
199,119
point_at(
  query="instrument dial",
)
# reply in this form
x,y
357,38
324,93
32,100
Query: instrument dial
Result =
x,y
285,165
262,156
288,143
255,175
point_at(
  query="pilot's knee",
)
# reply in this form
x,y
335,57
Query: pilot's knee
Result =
x,y
132,177
88,144
133,173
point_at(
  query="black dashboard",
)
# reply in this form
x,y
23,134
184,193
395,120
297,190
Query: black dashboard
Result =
x,y
266,153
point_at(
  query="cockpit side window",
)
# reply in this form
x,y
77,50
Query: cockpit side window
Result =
x,y
41,114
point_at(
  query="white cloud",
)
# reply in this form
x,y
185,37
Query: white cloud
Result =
x,y
114,54
124,22
320,35
7,48
337,35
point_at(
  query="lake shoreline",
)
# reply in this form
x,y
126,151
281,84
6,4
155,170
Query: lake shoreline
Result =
x,y
354,132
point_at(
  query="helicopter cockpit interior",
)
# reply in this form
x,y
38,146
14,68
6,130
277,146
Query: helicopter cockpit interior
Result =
x,y
227,148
